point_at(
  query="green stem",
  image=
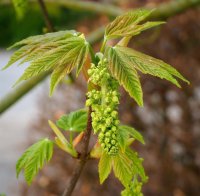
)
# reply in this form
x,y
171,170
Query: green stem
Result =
x,y
71,137
92,54
103,45
124,41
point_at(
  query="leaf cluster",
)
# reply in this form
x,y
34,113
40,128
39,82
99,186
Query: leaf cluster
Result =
x,y
35,156
58,52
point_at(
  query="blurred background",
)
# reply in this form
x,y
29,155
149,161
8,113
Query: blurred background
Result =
x,y
169,120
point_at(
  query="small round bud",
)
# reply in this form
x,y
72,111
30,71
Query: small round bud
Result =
x,y
107,140
88,102
114,114
109,145
101,135
103,145
115,99
113,142
117,122
113,136
108,134
90,71
114,128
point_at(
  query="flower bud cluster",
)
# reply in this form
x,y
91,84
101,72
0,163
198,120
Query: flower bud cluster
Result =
x,y
104,104
135,189
98,74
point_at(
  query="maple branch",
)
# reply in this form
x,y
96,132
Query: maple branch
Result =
x,y
83,157
46,16
164,9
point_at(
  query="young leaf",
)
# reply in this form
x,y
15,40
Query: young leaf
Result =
x,y
149,65
139,28
34,158
136,165
122,168
45,38
125,73
96,151
123,137
34,44
61,141
124,25
59,51
126,165
75,121
132,132
105,166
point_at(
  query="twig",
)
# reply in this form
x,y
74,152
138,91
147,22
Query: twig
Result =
x,y
164,9
46,16
83,157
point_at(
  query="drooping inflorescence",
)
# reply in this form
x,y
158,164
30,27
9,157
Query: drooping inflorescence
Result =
x,y
104,104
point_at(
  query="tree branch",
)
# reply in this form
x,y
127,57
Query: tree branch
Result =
x,y
169,9
46,16
83,157
20,91
163,11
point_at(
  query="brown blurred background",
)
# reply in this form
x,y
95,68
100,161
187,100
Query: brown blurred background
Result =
x,y
169,120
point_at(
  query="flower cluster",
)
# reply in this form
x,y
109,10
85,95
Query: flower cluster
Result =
x,y
135,189
104,104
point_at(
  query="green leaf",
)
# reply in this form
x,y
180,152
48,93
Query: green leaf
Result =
x,y
36,46
139,28
123,137
105,166
21,7
45,38
75,121
136,165
34,158
122,69
59,52
96,151
126,165
124,25
122,168
132,132
149,65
